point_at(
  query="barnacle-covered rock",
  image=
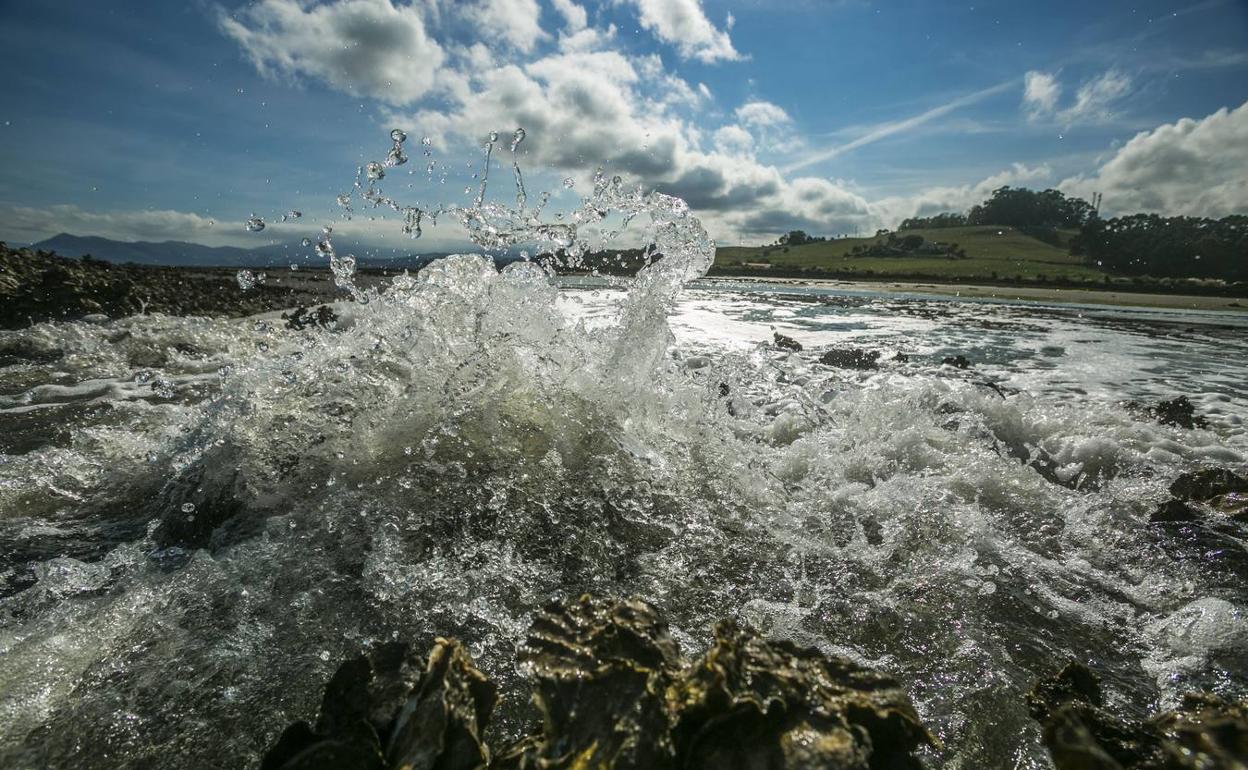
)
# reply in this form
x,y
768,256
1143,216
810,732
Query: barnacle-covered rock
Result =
x,y
1204,733
614,693
752,702
365,725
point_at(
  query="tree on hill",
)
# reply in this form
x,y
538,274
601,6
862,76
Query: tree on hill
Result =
x,y
944,219
1022,208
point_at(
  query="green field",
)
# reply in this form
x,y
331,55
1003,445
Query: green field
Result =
x,y
992,253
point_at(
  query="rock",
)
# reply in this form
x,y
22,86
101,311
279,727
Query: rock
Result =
x,y
1204,485
437,725
323,317
851,358
1174,510
1204,733
901,358
601,671
785,342
757,703
614,693
1179,412
1218,491
957,362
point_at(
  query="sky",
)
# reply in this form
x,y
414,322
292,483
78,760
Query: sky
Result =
x,y
155,120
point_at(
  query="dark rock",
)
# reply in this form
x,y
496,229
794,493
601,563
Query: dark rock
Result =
x,y
901,358
300,318
957,362
785,342
601,671
437,725
1204,733
1197,494
1174,510
851,358
758,703
1179,412
614,693
1204,485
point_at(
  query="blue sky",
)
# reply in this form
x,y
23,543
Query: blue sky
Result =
x,y
158,120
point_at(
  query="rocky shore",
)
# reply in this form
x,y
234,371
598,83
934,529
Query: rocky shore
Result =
x,y
614,692
37,286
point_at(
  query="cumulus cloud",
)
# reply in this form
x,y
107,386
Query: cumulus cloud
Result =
x,y
1040,92
364,47
1191,167
1095,99
514,22
684,24
760,113
574,16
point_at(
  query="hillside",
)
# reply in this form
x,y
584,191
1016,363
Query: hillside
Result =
x,y
991,253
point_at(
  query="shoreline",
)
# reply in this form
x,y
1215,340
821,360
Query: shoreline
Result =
x,y
1035,294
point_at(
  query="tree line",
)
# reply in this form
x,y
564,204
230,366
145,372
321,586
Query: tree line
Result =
x,y
1136,244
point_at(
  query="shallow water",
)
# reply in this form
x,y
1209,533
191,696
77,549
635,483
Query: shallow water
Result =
x,y
473,444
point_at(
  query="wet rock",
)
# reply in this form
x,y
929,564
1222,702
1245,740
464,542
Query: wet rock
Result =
x,y
851,358
1207,493
1204,733
614,692
601,672
957,362
437,724
1179,412
901,358
322,317
1204,485
754,703
1173,511
785,342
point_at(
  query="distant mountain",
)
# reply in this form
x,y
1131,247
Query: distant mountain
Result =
x,y
197,255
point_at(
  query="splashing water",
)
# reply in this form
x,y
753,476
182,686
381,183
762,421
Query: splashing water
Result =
x,y
469,443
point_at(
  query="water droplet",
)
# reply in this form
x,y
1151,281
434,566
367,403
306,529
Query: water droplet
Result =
x,y
254,224
306,242
517,138
246,280
294,214
293,267
569,183
374,171
398,136
188,507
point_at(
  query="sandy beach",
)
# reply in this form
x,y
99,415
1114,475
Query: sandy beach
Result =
x,y
1012,293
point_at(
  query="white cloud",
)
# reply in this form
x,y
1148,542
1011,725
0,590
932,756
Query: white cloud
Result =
x,y
1095,98
574,16
1040,92
514,22
364,47
1189,167
28,224
734,140
760,113
684,24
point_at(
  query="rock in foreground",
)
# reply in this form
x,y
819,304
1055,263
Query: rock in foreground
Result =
x,y
1203,733
614,692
